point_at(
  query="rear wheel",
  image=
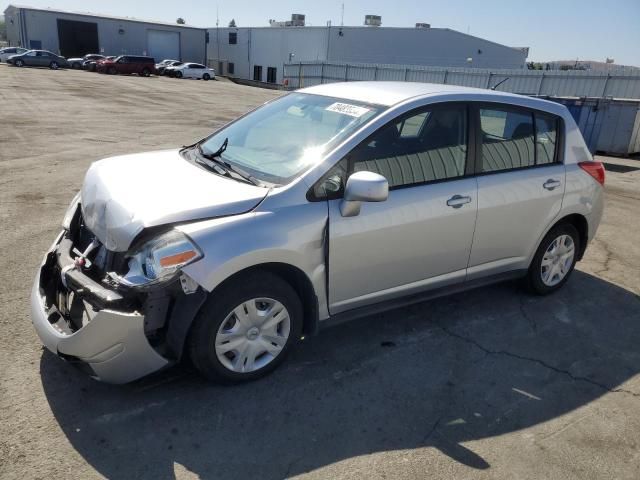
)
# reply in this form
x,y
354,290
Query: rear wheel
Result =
x,y
554,260
146,72
206,76
246,329
112,71
54,66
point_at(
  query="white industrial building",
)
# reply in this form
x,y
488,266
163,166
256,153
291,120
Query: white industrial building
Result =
x,y
255,53
259,53
72,34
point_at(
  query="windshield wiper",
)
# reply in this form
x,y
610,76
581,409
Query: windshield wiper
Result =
x,y
217,153
226,166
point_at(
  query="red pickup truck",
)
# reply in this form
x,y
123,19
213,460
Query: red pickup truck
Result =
x,y
143,66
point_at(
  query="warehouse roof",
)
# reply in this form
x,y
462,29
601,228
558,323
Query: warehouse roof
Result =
x,y
97,15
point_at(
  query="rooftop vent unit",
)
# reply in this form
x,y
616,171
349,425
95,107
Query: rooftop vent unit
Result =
x,y
423,25
297,20
372,20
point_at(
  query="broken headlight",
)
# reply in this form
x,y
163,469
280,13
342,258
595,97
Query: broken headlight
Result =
x,y
159,260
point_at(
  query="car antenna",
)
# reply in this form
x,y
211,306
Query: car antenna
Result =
x,y
499,83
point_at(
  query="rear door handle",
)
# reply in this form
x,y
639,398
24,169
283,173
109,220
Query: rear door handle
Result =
x,y
458,200
551,184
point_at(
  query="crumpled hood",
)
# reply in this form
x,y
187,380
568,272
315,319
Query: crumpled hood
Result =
x,y
123,195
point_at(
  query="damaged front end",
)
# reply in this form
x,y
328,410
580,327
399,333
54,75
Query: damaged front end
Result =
x,y
119,315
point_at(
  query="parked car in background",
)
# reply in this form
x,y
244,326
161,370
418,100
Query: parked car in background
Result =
x,y
170,70
38,58
160,67
128,64
5,53
77,63
91,65
193,70
332,202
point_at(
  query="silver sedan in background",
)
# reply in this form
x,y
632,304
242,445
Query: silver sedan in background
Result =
x,y
328,203
38,58
7,52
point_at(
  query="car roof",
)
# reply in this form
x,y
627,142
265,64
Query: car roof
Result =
x,y
391,93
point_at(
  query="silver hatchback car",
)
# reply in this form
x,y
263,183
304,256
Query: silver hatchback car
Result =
x,y
330,202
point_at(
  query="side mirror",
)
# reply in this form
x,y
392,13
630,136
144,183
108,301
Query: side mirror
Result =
x,y
363,187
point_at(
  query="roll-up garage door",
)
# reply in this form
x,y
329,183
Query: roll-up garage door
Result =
x,y
163,44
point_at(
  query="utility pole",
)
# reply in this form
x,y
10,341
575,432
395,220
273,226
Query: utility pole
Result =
x,y
218,36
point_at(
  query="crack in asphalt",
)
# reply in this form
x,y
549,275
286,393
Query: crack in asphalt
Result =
x,y
432,430
608,257
530,320
542,363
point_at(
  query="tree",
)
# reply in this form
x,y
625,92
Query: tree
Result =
x,y
232,23
180,21
3,29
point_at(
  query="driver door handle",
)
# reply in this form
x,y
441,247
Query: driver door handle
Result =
x,y
458,201
551,184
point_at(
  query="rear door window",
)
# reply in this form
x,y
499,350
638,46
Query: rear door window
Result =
x,y
507,139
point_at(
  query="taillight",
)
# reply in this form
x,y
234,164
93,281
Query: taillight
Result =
x,y
595,169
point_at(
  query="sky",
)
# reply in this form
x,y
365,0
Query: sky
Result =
x,y
553,29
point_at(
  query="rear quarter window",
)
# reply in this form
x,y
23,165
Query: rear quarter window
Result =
x,y
547,127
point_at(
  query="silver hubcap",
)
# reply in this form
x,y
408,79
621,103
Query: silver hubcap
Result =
x,y
557,260
252,335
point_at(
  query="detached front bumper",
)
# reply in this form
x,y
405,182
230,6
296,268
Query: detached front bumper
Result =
x,y
111,343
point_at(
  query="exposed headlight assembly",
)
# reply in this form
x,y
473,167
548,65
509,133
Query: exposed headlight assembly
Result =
x,y
159,260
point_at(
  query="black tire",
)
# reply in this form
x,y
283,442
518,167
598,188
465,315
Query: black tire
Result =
x,y
18,63
178,74
76,66
534,281
220,304
54,66
112,71
206,77
146,72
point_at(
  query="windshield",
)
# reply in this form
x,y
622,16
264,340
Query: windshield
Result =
x,y
280,140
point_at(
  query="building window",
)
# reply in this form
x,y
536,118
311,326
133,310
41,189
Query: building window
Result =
x,y
231,68
257,73
271,74
233,38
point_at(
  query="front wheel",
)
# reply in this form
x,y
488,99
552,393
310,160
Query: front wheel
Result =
x,y
206,77
554,260
146,72
178,74
18,63
246,329
54,66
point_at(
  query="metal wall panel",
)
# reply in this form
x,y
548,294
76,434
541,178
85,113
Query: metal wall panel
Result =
x,y
625,85
607,124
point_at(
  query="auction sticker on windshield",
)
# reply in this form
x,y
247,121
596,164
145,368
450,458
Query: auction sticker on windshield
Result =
x,y
347,109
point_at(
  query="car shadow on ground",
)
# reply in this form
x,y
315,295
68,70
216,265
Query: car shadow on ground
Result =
x,y
434,375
